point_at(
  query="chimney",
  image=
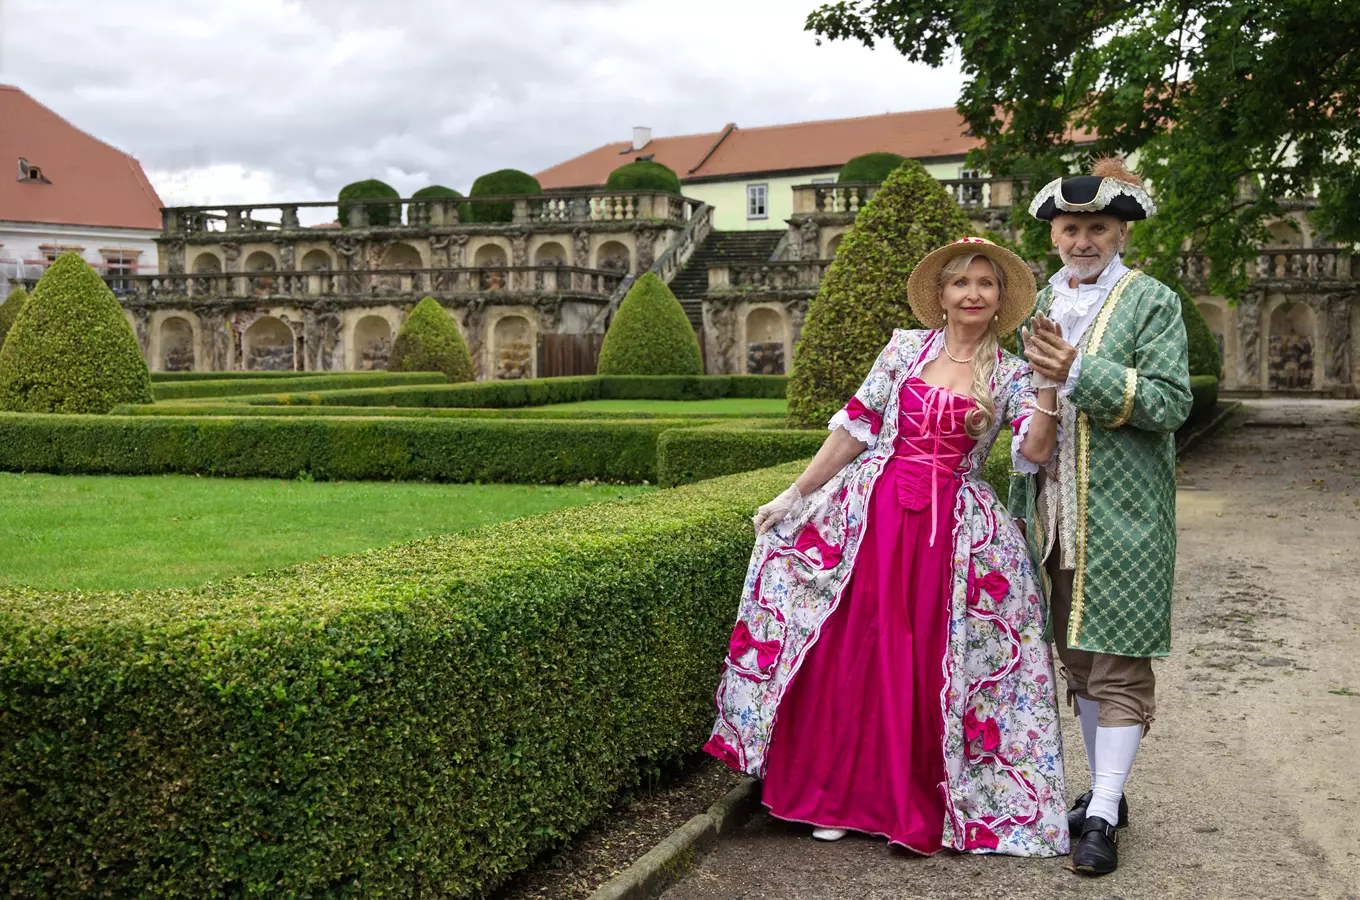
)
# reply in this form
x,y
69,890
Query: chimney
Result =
x,y
642,136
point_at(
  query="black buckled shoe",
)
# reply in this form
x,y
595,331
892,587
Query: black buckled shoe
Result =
x,y
1077,814
1095,853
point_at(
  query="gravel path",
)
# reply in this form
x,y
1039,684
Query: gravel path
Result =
x,y
1249,782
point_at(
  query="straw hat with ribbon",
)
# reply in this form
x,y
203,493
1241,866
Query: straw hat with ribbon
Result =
x,y
1017,300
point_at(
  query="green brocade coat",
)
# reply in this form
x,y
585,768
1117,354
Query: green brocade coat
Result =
x,y
1131,395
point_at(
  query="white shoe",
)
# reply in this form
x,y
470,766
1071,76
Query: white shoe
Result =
x,y
828,834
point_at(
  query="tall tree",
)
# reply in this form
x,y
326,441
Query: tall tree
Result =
x,y
1235,107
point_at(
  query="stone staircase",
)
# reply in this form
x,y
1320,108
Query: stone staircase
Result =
x,y
691,284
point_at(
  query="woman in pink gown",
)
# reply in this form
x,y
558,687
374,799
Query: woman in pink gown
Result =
x,y
887,673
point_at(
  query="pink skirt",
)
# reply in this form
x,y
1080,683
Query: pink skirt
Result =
x,y
858,742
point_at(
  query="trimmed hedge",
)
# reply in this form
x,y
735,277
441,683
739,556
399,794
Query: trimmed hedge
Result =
x,y
502,183
429,341
544,391
9,310
301,381
549,451
421,412
1204,390
650,334
71,350
418,720
874,167
157,377
1203,346
377,214
863,297
643,175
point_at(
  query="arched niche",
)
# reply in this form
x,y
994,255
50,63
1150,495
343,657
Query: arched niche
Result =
x,y
176,344
401,256
614,256
512,348
316,260
766,340
261,261
833,245
268,345
372,343
550,253
1292,347
207,263
492,261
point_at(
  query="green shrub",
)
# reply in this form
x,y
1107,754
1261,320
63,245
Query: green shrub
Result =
x,y
503,183
418,720
543,451
873,167
429,341
9,310
376,214
650,334
1204,356
70,349
211,408
864,295
1204,390
418,214
643,175
298,381
159,377
435,190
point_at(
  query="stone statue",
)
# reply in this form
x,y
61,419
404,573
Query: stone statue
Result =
x,y
232,252
288,257
141,320
173,248
439,250
347,248
721,324
1338,371
646,249
549,313
808,238
580,239
457,250
1249,338
519,251
798,310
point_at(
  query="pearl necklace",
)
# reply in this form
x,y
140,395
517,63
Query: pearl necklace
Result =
x,y
955,358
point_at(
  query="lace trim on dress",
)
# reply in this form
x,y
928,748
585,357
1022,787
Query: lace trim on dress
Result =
x,y
860,429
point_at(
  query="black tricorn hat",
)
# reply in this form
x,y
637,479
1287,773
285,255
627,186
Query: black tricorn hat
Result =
x,y
1092,194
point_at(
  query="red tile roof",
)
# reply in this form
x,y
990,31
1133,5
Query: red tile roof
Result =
x,y
829,144
92,183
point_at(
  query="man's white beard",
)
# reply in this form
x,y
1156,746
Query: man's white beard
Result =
x,y
1086,267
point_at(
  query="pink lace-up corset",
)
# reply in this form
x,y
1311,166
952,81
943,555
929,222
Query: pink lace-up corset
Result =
x,y
931,444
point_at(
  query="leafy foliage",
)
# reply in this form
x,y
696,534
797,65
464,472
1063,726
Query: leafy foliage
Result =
x,y
650,334
429,341
1232,106
1204,356
70,350
376,214
501,183
870,167
643,175
9,310
863,297
418,720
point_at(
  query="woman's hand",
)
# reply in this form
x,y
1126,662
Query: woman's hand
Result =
x,y
789,503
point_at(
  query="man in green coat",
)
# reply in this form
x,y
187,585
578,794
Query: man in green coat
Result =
x,y
1101,515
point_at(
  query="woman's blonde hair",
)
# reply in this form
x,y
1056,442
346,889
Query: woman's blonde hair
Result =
x,y
980,418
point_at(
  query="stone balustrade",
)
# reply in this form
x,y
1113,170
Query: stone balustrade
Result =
x,y
1316,264
779,275
841,198
577,207
367,285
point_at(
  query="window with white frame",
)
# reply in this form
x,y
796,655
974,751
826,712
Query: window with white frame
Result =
x,y
119,262
757,201
969,194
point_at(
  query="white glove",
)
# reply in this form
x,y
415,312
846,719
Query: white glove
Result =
x,y
789,503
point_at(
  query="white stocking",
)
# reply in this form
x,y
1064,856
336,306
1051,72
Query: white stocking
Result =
x,y
1087,711
1115,750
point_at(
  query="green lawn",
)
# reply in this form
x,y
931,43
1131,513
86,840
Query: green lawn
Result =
x,y
728,405
108,532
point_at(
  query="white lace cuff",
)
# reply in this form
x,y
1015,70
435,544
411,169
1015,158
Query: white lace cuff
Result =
x,y
859,429
1073,374
1018,462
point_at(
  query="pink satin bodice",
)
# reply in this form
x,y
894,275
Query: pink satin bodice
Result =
x,y
931,445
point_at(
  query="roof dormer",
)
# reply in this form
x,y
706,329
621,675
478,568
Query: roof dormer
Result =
x,y
30,172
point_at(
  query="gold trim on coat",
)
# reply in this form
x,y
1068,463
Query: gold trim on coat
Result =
x,y
1084,465
1130,388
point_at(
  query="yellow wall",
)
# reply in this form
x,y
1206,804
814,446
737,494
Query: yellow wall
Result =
x,y
728,197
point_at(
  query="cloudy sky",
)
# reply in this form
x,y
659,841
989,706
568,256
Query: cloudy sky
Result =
x,y
264,100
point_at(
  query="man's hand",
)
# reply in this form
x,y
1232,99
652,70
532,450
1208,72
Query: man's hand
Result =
x,y
1048,353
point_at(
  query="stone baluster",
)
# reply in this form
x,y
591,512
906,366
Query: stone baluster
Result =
x,y
290,217
233,220
854,200
521,214
358,215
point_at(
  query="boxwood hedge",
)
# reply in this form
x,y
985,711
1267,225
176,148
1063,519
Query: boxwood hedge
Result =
x,y
229,387
530,412
419,720
542,451
1204,390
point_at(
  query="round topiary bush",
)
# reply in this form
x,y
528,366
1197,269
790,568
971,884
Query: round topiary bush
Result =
x,y
643,175
864,295
650,334
504,183
429,341
435,190
420,215
71,350
873,167
1204,355
372,189
9,310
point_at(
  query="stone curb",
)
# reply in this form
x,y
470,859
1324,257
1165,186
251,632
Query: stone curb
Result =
x,y
665,863
1205,431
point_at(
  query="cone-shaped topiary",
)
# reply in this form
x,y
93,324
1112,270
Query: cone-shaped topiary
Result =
x,y
9,310
650,334
864,295
429,341
377,213
643,175
71,350
1204,355
504,183
873,167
